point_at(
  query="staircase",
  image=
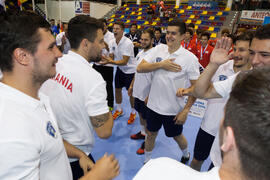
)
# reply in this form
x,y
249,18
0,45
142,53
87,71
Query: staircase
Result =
x,y
39,11
110,13
231,20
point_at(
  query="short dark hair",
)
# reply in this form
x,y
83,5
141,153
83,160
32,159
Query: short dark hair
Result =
x,y
82,27
157,29
190,31
121,24
191,25
246,36
133,24
263,32
247,112
150,32
226,30
207,34
180,24
103,20
199,31
19,30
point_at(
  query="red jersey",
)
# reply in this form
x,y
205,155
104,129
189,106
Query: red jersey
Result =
x,y
203,54
212,42
189,46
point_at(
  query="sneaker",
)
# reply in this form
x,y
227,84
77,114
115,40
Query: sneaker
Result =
x,y
131,118
185,160
117,114
137,136
140,151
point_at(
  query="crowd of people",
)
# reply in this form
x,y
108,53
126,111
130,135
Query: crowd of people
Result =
x,y
56,92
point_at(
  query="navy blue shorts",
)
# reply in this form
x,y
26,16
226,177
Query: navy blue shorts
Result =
x,y
140,107
122,79
155,121
203,144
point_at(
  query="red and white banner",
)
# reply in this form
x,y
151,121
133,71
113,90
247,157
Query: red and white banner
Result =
x,y
254,15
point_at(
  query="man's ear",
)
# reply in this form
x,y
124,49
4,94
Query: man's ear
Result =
x,y
84,44
21,56
228,140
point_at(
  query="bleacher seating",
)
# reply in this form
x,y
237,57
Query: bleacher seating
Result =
x,y
207,17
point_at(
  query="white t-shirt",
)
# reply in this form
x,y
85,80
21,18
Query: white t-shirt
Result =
x,y
59,42
108,37
76,92
224,88
166,168
124,48
31,146
142,82
215,107
162,98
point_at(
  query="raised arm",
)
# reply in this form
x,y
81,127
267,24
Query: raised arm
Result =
x,y
204,87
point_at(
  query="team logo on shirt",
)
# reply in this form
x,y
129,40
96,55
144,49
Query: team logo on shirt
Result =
x,y
222,77
158,59
50,129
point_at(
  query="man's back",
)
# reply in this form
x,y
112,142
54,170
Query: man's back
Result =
x,y
74,93
166,168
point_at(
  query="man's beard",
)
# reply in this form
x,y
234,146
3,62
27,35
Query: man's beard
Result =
x,y
95,59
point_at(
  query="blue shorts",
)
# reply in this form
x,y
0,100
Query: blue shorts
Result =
x,y
155,121
122,79
140,107
203,144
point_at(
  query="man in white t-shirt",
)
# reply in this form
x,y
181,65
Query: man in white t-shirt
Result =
x,y
215,107
78,93
30,141
62,41
107,70
140,86
164,107
122,55
244,137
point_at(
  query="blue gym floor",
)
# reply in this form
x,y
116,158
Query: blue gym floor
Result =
x,y
125,149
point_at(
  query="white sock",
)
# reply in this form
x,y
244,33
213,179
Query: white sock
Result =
x,y
133,111
143,130
185,152
118,107
148,155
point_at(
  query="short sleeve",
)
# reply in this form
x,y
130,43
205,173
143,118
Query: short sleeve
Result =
x,y
128,50
224,88
193,69
150,57
96,103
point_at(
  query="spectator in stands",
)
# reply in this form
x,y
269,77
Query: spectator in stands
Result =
x,y
159,39
187,43
54,28
135,37
204,50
